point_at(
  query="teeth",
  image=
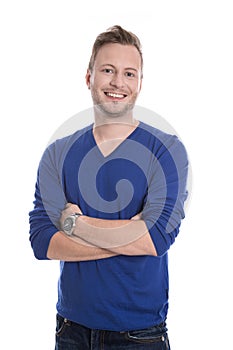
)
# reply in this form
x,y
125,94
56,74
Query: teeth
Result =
x,y
111,94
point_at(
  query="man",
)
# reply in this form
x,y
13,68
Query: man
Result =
x,y
108,204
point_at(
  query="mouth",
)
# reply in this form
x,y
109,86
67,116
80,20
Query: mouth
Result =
x,y
115,96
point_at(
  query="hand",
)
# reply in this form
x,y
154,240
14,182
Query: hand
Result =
x,y
69,210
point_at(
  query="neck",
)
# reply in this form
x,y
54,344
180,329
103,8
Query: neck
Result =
x,y
109,128
117,129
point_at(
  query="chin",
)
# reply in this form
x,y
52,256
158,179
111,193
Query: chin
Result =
x,y
114,110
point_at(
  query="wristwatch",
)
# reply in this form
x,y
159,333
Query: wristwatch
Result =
x,y
69,223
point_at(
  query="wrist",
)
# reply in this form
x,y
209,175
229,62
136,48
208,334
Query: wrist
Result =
x,y
69,223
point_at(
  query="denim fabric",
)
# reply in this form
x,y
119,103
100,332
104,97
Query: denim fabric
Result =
x,y
72,336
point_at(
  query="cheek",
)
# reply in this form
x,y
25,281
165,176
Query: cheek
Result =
x,y
135,86
100,80
138,85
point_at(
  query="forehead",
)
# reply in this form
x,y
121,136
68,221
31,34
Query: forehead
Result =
x,y
118,54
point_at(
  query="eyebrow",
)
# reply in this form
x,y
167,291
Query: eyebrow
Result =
x,y
111,65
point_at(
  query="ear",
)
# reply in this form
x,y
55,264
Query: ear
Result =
x,y
88,78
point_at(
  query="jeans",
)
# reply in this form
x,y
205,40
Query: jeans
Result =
x,y
72,336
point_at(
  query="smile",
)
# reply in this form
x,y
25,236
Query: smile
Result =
x,y
115,95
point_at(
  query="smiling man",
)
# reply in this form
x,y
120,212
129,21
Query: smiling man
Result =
x,y
108,204
115,79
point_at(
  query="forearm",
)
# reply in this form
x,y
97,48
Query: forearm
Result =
x,y
127,237
67,249
142,246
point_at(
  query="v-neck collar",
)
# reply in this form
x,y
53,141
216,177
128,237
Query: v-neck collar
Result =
x,y
117,147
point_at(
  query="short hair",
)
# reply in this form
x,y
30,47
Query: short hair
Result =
x,y
117,35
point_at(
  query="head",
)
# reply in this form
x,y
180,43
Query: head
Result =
x,y
117,35
114,73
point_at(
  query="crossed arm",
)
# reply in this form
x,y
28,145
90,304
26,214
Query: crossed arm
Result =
x,y
97,238
163,210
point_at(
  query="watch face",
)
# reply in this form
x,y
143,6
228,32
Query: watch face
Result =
x,y
68,225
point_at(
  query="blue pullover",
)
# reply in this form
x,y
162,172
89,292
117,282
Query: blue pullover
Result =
x,y
147,172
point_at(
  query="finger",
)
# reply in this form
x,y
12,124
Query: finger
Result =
x,y
68,205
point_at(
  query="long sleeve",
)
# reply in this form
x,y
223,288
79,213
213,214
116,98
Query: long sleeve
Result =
x,y
48,204
167,192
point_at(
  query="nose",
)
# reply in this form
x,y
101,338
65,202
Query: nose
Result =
x,y
117,80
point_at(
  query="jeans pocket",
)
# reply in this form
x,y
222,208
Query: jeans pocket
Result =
x,y
154,334
62,324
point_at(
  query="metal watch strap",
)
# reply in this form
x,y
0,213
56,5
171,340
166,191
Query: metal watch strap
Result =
x,y
76,215
69,230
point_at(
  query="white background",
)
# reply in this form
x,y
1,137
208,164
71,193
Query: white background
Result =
x,y
188,80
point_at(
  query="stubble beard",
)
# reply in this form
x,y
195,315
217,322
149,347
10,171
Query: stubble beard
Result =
x,y
113,109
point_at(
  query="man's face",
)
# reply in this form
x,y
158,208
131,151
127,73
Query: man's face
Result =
x,y
115,80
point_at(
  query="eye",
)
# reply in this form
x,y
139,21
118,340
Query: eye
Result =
x,y
108,70
130,75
